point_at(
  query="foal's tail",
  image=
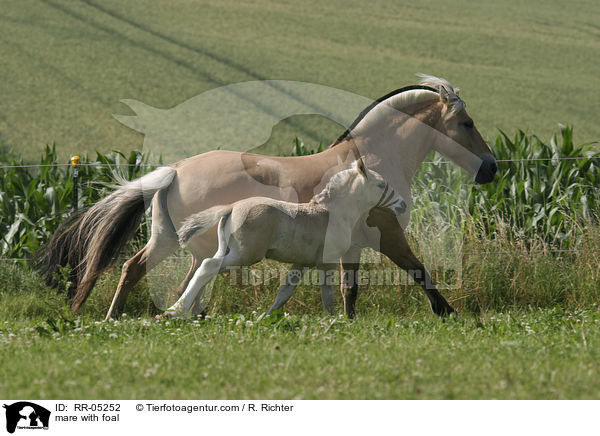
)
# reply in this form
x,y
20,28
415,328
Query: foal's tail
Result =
x,y
201,222
89,241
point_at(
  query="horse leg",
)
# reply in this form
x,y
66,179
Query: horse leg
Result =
x,y
197,308
209,268
349,285
395,246
327,297
286,290
184,284
163,242
327,286
156,250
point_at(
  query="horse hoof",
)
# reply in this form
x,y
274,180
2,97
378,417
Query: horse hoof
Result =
x,y
170,314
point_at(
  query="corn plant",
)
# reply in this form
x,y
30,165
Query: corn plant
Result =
x,y
299,149
543,191
35,199
549,190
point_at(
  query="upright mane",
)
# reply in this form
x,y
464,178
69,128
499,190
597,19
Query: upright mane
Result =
x,y
337,180
429,88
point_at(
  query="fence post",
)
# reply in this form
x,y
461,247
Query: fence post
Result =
x,y
75,163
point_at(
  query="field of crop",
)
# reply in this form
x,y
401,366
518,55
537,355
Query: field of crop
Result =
x,y
66,65
520,257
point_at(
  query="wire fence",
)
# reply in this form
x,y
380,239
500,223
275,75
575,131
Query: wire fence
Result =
x,y
149,165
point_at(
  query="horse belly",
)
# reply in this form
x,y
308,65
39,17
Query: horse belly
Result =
x,y
297,247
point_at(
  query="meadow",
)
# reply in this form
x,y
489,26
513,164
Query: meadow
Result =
x,y
396,349
530,354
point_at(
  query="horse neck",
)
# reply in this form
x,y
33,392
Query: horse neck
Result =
x,y
397,139
347,207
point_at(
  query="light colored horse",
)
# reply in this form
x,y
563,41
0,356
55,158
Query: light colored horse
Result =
x,y
306,234
393,136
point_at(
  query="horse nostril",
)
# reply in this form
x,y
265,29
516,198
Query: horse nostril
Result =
x,y
494,167
401,208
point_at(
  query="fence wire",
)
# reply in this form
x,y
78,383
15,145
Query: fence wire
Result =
x,y
147,165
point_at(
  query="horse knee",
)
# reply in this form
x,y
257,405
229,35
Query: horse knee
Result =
x,y
212,265
130,269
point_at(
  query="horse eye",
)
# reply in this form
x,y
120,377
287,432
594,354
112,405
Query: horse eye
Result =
x,y
468,124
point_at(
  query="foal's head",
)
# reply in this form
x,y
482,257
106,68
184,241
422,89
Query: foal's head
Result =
x,y
364,188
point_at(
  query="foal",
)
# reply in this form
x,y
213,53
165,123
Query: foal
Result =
x,y
309,234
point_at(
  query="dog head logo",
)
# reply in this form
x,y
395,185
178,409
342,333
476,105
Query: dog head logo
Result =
x,y
26,415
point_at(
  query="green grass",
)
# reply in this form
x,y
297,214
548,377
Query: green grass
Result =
x,y
535,354
529,328
66,65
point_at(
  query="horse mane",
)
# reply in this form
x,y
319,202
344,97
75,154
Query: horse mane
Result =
x,y
403,97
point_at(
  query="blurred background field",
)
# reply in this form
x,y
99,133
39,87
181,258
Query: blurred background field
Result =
x,y
66,65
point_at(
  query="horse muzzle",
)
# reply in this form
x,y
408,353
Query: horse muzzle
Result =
x,y
487,170
399,207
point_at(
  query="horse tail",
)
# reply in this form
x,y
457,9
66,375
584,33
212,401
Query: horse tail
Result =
x,y
90,240
201,222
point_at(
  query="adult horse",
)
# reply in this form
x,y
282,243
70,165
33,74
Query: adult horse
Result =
x,y
393,135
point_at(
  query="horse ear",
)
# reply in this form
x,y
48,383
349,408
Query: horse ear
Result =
x,y
444,95
360,165
457,91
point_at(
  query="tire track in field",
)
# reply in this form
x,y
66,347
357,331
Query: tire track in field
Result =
x,y
311,134
204,52
199,51
59,73
137,44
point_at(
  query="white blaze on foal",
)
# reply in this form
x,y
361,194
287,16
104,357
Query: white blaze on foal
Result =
x,y
306,235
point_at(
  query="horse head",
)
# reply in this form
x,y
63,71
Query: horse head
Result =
x,y
460,140
374,191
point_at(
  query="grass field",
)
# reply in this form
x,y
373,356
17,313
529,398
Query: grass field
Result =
x,y
534,354
66,65
529,328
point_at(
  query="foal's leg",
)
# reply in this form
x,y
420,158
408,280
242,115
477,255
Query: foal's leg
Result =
x,y
197,308
395,246
286,290
209,268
